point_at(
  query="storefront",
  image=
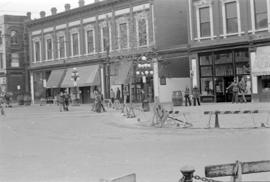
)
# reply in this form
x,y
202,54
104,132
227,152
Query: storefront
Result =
x,y
218,69
260,69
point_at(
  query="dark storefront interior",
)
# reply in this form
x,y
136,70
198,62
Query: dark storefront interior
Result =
x,y
217,71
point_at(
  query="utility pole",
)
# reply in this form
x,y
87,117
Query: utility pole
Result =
x,y
107,61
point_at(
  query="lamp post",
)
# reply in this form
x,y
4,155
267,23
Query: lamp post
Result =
x,y
75,76
144,70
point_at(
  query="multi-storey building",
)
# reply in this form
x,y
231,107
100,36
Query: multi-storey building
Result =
x,y
117,33
230,38
13,54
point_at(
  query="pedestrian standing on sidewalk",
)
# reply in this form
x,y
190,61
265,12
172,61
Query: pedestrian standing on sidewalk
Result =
x,y
235,90
112,96
60,101
243,88
66,101
187,99
196,96
118,94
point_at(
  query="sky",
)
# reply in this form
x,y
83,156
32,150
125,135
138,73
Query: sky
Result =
x,y
21,7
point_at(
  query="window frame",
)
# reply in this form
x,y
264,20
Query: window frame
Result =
x,y
255,15
120,21
12,58
139,17
37,40
73,32
47,38
87,29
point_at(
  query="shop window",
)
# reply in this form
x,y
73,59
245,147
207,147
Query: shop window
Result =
x,y
206,71
260,9
223,58
204,14
266,83
205,60
224,70
242,62
231,17
207,86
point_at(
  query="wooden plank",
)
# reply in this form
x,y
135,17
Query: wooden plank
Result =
x,y
127,178
228,169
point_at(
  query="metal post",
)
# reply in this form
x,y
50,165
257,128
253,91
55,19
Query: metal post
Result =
x,y
187,172
216,120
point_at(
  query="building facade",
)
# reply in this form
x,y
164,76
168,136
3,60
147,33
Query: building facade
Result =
x,y
112,44
13,55
228,39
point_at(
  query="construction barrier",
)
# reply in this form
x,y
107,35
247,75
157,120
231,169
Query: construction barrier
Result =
x,y
216,113
234,170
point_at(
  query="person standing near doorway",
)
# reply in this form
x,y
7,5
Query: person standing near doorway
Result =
x,y
187,99
112,96
235,90
196,96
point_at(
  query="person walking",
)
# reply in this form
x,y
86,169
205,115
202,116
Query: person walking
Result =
x,y
66,101
187,99
112,96
243,86
60,101
118,94
196,96
235,90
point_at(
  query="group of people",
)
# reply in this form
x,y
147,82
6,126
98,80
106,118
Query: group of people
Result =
x,y
114,96
63,100
98,103
195,93
238,87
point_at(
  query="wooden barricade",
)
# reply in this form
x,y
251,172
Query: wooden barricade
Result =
x,y
234,169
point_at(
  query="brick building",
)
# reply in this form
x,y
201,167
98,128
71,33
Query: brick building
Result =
x,y
230,38
13,54
118,32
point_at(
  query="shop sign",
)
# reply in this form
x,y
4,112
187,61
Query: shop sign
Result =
x,y
3,80
261,64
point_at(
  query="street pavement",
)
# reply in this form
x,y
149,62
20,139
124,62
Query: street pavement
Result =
x,y
39,143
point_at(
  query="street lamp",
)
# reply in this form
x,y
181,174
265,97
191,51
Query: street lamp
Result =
x,y
144,70
75,76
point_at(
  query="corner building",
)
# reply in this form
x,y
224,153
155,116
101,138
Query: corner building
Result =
x,y
230,38
105,41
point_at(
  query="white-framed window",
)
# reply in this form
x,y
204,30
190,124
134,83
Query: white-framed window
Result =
x,y
75,42
1,61
106,40
15,60
90,40
37,50
142,29
204,19
14,37
61,44
260,14
231,17
49,47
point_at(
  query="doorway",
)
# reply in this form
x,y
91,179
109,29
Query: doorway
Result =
x,y
227,81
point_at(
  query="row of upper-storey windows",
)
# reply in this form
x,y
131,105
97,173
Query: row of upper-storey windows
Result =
x,y
69,44
230,17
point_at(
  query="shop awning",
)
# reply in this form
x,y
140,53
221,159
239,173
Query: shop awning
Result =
x,y
88,76
55,78
120,72
261,64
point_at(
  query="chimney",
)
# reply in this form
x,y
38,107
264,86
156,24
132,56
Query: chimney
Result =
x,y
54,10
81,3
67,7
28,14
42,14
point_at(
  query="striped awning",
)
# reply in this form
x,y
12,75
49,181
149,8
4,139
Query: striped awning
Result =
x,y
88,76
55,78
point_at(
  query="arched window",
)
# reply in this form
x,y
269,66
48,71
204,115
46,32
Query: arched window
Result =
x,y
13,37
